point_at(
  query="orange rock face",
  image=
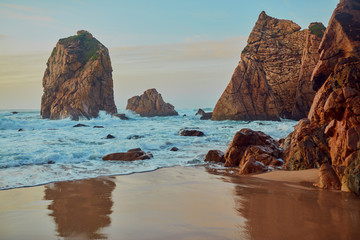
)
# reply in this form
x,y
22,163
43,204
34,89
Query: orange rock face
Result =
x,y
252,151
264,86
150,104
130,155
78,79
335,112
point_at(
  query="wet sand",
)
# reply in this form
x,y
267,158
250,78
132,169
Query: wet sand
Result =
x,y
181,203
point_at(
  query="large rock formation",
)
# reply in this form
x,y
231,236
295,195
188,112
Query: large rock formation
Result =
x,y
78,79
265,83
334,118
150,104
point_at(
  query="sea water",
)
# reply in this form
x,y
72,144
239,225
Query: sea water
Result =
x,y
36,151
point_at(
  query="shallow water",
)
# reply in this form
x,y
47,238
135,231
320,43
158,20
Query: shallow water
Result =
x,y
77,152
178,203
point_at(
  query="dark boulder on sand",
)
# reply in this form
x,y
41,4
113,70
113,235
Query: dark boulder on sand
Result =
x,y
130,155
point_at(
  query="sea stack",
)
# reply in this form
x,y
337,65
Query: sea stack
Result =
x,y
331,134
150,104
78,79
264,85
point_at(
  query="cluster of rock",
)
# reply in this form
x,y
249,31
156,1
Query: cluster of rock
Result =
x,y
204,115
329,138
272,80
78,79
250,151
331,134
150,104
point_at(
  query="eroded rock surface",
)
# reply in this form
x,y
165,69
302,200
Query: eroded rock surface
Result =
x,y
253,152
265,83
150,104
334,117
78,79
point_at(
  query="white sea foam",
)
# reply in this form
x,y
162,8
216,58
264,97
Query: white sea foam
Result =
x,y
77,152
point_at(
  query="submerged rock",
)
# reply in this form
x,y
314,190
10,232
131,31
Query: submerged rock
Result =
x,y
130,155
278,57
78,79
174,149
191,133
150,104
134,137
109,136
81,125
122,116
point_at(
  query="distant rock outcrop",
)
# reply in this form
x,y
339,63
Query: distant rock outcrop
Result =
x,y
78,79
266,81
332,132
150,104
204,115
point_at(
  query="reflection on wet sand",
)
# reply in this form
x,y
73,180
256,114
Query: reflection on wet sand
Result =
x,y
81,208
278,210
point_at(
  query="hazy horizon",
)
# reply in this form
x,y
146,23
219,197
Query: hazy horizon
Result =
x,y
186,50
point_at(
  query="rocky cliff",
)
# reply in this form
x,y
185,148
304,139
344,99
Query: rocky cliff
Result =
x,y
78,79
332,132
265,83
150,104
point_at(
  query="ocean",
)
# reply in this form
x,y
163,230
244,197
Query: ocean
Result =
x,y
35,151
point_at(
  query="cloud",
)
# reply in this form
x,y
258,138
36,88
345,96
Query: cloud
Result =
x,y
23,12
19,7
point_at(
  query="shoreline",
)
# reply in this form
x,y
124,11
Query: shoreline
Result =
x,y
179,203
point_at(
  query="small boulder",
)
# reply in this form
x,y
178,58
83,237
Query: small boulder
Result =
x,y
215,156
122,116
252,166
130,155
20,130
98,126
80,125
174,149
191,133
14,112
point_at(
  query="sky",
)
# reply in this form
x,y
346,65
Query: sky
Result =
x,y
186,49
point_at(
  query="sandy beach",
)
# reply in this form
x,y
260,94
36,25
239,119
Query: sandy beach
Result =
x,y
180,203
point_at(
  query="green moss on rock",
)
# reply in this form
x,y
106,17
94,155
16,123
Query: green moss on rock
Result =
x,y
317,29
88,46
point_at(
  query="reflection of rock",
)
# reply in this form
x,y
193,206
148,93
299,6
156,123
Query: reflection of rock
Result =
x,y
328,178
81,208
